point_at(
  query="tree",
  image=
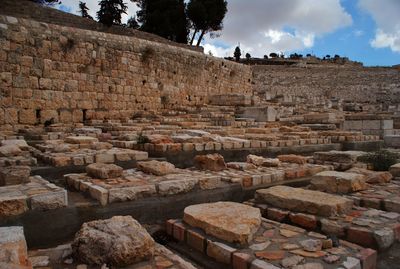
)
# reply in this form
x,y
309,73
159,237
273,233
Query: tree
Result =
x,y
273,55
83,9
47,2
206,16
237,54
132,23
111,11
165,18
248,56
265,56
328,56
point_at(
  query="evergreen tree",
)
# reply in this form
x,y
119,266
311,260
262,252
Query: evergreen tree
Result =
x,y
111,11
83,9
248,56
165,18
206,16
132,23
237,54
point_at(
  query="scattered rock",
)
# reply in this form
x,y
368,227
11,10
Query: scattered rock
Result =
x,y
292,159
260,246
338,182
104,171
292,261
156,168
119,241
229,221
311,245
241,166
331,259
352,263
271,255
212,162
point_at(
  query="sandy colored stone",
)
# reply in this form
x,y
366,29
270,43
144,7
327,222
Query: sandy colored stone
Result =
x,y
395,170
14,175
372,177
104,171
338,182
156,168
9,151
13,249
81,139
119,241
291,158
306,201
233,222
212,162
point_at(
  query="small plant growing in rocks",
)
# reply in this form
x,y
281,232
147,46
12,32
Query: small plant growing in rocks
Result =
x,y
380,160
142,139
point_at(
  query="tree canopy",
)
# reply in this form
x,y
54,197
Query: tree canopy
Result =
x,y
132,23
111,11
206,16
237,54
165,18
83,9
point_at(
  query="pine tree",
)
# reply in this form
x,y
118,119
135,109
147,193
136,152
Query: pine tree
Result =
x,y
237,54
111,11
83,9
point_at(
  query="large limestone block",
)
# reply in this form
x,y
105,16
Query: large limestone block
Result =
x,y
372,177
292,159
81,140
104,171
119,241
338,156
14,175
156,168
395,170
9,151
15,142
232,222
300,200
212,162
13,249
261,161
338,182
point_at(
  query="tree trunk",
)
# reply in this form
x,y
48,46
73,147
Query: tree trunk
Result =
x,y
194,35
201,37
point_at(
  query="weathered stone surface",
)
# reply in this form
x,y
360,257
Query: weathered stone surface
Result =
x,y
212,162
372,177
395,170
14,175
338,182
171,187
12,205
261,161
228,221
130,193
156,168
9,151
15,142
338,156
104,171
292,159
119,241
241,166
81,140
291,261
49,200
311,245
300,200
13,250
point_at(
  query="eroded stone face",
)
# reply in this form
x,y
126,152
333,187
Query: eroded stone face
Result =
x,y
14,175
232,222
119,241
212,162
81,140
395,170
300,200
13,250
156,168
338,182
104,171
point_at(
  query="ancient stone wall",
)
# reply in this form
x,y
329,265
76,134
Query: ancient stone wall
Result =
x,y
51,71
355,84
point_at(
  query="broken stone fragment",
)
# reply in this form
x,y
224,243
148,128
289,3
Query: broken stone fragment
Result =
x,y
292,261
311,245
212,162
338,182
300,200
395,170
261,161
104,171
232,222
241,166
292,159
80,140
14,175
156,168
119,241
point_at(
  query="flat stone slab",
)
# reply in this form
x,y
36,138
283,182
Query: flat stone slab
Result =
x,y
338,182
81,139
307,201
232,222
104,171
338,156
395,170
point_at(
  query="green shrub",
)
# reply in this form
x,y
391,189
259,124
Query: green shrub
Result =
x,y
380,160
142,139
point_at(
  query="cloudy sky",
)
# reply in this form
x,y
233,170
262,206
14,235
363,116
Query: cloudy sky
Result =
x,y
363,30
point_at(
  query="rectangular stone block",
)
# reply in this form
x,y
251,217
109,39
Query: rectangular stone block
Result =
x,y
13,249
306,201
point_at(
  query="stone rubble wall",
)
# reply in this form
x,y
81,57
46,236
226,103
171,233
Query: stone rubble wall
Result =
x,y
51,71
319,83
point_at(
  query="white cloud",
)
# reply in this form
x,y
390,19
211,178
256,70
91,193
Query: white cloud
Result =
x,y
386,14
264,26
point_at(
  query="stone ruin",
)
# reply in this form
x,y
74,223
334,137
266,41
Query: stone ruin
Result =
x,y
124,150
